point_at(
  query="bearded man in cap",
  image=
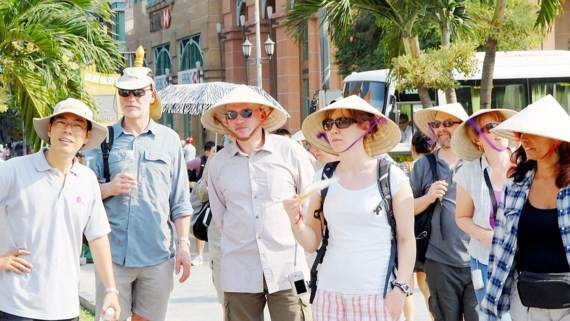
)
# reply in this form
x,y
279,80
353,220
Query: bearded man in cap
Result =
x,y
144,204
247,183
51,201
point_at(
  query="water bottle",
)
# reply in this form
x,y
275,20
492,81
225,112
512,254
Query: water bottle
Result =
x,y
130,163
109,315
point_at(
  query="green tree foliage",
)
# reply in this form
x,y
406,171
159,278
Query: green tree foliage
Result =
x,y
43,43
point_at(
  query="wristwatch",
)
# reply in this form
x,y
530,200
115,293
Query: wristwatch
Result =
x,y
112,290
405,287
185,240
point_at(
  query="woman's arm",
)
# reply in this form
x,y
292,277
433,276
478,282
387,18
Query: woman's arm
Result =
x,y
464,218
306,228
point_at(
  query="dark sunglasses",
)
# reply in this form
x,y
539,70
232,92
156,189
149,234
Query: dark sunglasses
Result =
x,y
487,128
245,113
448,123
341,123
136,92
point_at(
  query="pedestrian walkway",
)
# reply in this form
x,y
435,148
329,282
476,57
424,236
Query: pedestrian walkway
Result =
x,y
196,300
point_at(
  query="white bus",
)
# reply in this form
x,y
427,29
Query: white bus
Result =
x,y
520,78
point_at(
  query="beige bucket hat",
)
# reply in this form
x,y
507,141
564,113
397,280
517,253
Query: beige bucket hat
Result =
x,y
545,118
424,116
461,143
76,107
213,116
138,78
386,138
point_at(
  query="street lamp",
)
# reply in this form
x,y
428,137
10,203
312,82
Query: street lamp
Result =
x,y
273,63
168,76
200,71
220,38
246,48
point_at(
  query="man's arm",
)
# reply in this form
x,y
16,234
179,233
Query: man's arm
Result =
x,y
122,183
183,257
101,252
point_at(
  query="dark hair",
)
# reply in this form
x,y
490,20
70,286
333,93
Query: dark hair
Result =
x,y
422,143
282,132
524,165
404,116
208,145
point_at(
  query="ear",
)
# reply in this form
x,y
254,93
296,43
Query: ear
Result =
x,y
263,114
365,125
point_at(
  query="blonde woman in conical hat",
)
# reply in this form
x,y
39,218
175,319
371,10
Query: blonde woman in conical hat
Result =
x,y
531,235
479,185
353,273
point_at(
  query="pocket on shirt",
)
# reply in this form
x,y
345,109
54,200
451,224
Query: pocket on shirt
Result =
x,y
157,166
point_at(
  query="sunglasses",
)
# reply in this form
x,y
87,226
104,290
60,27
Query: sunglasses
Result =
x,y
487,128
245,113
136,92
341,123
448,123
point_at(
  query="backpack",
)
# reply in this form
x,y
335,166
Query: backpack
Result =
x,y
384,188
422,221
106,146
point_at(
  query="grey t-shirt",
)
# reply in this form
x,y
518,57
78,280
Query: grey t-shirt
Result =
x,y
448,243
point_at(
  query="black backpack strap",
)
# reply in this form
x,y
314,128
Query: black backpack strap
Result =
x,y
384,187
106,147
433,166
328,171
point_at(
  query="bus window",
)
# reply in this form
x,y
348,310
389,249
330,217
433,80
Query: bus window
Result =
x,y
373,92
558,89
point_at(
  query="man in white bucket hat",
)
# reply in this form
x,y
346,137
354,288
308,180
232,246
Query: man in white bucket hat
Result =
x,y
145,200
247,182
51,201
447,263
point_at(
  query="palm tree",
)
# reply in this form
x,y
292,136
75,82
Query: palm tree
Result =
x,y
549,9
341,13
43,43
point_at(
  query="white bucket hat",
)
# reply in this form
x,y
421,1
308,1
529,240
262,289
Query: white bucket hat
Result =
x,y
423,117
213,117
386,138
76,107
545,118
461,143
138,78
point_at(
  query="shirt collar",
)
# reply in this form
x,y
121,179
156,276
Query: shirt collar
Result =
x,y
268,144
118,129
42,165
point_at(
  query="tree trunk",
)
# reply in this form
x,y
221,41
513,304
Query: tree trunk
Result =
x,y
450,96
487,73
413,45
445,41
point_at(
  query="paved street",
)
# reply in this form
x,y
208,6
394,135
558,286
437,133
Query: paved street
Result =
x,y
196,299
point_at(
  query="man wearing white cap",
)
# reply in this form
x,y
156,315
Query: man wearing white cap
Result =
x,y
447,263
247,183
51,201
145,201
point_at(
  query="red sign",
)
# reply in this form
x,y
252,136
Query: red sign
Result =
x,y
165,18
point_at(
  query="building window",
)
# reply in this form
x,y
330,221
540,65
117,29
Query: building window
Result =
x,y
162,60
189,51
241,9
306,97
118,8
306,42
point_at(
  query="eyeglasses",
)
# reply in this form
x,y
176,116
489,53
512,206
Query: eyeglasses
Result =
x,y
341,123
448,123
135,92
487,128
76,126
244,113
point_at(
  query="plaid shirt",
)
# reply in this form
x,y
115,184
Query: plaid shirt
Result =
x,y
501,259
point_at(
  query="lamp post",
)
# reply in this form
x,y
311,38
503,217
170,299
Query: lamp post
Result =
x,y
220,38
247,53
200,71
273,63
168,77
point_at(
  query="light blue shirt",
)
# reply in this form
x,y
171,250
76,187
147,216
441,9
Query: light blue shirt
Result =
x,y
142,229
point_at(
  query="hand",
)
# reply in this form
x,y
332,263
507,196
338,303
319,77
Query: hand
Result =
x,y
183,260
12,262
394,304
123,183
437,190
111,300
292,206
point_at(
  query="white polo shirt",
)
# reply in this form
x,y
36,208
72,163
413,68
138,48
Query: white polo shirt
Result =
x,y
48,219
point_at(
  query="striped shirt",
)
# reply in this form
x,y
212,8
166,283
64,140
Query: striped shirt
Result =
x,y
501,259
246,198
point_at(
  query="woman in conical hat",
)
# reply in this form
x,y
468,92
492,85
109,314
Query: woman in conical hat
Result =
x,y
479,184
532,231
359,245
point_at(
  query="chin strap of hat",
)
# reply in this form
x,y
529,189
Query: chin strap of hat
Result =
x,y
219,122
482,134
551,149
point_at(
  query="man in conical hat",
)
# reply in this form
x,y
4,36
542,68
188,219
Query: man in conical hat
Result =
x,y
447,263
247,183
